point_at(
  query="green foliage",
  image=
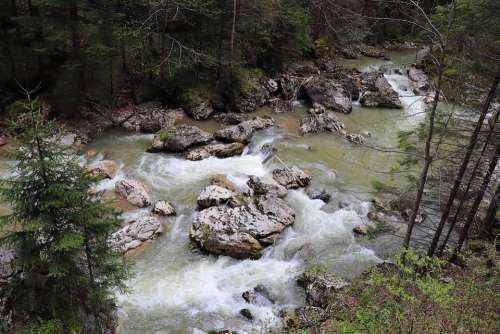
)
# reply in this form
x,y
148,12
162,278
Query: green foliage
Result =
x,y
411,296
60,233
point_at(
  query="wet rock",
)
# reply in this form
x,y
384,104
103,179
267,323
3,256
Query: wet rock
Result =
x,y
253,95
371,51
246,313
147,117
260,187
164,208
103,169
355,138
240,232
136,233
322,287
229,118
214,195
320,120
329,94
249,296
222,181
264,292
201,110
291,178
378,92
243,132
179,138
275,209
360,230
321,194
134,192
217,150
420,79
272,86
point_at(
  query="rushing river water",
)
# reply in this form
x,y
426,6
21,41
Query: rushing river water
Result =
x,y
176,289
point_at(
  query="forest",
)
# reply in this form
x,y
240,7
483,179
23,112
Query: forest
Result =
x,y
259,166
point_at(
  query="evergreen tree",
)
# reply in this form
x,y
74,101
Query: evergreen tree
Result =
x,y
60,231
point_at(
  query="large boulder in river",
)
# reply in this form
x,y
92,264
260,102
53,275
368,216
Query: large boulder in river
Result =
x,y
146,117
214,195
217,150
200,111
378,92
103,169
243,132
261,187
134,192
136,233
243,231
330,94
179,138
420,79
291,178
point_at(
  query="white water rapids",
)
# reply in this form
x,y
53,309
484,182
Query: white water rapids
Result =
x,y
176,289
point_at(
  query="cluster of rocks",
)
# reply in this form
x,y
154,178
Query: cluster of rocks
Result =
x,y
242,225
224,143
323,120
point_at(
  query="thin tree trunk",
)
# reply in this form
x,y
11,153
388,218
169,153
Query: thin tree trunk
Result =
x,y
427,157
233,29
477,201
464,165
469,184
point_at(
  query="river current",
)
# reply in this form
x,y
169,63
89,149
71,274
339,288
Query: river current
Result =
x,y
177,289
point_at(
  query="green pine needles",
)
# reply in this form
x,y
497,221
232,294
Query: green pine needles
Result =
x,y
59,230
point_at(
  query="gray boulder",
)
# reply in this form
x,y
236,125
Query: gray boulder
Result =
x,y
214,195
146,117
217,150
291,178
200,111
330,94
179,138
134,192
136,233
261,187
320,120
103,169
243,132
164,208
322,287
378,92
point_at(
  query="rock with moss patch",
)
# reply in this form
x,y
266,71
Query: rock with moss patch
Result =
x,y
219,150
103,169
243,132
291,177
322,287
179,138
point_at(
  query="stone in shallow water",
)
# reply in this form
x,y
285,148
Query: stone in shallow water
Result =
x,y
291,178
217,150
103,169
134,191
214,195
243,132
179,138
261,187
137,233
164,208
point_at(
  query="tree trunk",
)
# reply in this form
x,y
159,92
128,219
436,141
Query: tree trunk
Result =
x,y
469,184
464,165
477,201
233,30
427,158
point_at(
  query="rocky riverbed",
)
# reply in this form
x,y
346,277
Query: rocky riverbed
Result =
x,y
216,205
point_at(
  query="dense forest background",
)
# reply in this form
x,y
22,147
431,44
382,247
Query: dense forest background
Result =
x,y
90,50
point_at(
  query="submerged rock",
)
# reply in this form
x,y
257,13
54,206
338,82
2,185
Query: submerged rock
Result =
x,y
260,187
217,150
214,195
246,313
164,208
316,193
134,192
103,169
179,138
291,178
136,233
243,132
329,94
320,122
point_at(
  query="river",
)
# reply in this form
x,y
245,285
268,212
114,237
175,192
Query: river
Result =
x,y
176,289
